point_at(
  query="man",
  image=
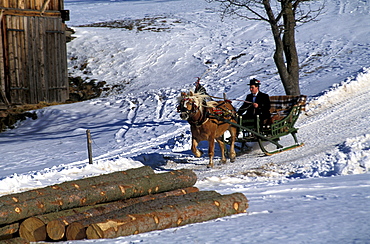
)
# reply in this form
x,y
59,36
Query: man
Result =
x,y
199,88
256,103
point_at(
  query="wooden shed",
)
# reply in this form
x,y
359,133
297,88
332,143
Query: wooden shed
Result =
x,y
33,56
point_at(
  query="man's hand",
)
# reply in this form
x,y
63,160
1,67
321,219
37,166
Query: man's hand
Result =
x,y
255,105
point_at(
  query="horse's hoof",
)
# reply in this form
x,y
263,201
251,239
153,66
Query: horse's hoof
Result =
x,y
232,160
223,161
210,166
198,154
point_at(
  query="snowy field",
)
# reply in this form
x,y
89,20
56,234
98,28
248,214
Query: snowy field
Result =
x,y
319,193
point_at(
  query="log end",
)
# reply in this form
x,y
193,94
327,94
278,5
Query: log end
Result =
x,y
76,231
56,229
33,229
94,232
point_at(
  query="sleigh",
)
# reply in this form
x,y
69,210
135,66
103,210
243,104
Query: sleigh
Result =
x,y
285,111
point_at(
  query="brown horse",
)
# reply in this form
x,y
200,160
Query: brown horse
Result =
x,y
205,125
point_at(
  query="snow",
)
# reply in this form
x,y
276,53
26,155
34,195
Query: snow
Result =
x,y
318,193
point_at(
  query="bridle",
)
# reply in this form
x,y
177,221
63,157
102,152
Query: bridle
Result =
x,y
186,114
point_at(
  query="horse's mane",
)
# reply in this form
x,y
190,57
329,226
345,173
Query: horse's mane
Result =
x,y
198,99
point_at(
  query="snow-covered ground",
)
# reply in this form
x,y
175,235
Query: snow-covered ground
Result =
x,y
319,193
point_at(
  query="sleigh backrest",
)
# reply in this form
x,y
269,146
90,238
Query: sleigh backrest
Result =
x,y
282,105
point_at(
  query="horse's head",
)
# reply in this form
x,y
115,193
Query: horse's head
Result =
x,y
189,103
187,106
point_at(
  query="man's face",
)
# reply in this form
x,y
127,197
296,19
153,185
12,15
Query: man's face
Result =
x,y
253,89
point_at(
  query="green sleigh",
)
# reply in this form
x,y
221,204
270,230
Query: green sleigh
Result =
x,y
285,111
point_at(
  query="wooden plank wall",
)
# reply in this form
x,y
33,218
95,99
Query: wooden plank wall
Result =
x,y
56,72
36,59
16,59
33,56
3,98
32,4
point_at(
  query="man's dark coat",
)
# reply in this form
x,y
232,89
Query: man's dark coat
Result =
x,y
263,109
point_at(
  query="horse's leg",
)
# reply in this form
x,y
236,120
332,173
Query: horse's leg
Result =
x,y
194,148
211,152
233,133
221,143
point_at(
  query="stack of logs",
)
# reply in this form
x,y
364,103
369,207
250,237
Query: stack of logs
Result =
x,y
112,205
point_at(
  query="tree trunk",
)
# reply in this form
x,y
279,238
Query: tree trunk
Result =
x,y
279,47
76,184
56,228
285,55
112,191
169,216
292,84
77,230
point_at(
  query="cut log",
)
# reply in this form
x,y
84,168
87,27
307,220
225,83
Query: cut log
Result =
x,y
17,240
76,184
149,184
56,222
57,227
33,229
169,216
77,230
31,226
9,229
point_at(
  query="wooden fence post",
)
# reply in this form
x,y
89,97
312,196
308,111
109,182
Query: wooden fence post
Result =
x,y
89,150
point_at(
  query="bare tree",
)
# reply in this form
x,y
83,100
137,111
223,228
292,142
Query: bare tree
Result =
x,y
283,17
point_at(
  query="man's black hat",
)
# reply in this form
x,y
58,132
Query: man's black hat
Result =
x,y
255,82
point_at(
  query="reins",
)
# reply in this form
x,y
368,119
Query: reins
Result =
x,y
238,100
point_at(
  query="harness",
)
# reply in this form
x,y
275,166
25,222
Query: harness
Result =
x,y
223,112
203,119
208,112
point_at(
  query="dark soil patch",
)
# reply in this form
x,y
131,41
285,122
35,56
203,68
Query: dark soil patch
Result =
x,y
156,24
